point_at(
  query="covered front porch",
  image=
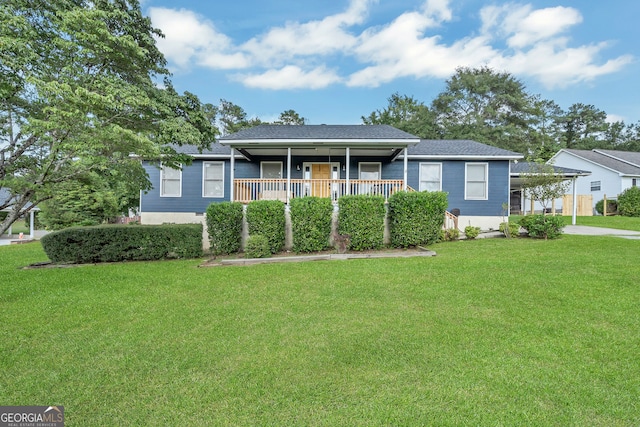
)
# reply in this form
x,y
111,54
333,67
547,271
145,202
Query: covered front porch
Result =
x,y
247,190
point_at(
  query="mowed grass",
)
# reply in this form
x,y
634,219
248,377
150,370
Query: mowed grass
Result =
x,y
488,332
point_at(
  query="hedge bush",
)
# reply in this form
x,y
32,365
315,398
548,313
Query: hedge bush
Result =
x,y
257,247
471,232
311,223
629,202
543,226
416,218
114,243
266,217
509,229
612,207
224,225
361,217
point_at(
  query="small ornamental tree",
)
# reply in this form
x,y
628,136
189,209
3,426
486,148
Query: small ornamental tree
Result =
x,y
542,184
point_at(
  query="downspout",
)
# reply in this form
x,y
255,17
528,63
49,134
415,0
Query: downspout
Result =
x,y
32,224
232,175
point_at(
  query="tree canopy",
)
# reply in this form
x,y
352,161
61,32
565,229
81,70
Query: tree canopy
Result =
x,y
83,87
495,108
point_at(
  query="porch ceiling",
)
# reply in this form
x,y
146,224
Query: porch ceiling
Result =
x,y
324,151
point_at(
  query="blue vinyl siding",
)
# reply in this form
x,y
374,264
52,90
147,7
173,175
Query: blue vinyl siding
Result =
x,y
191,200
453,182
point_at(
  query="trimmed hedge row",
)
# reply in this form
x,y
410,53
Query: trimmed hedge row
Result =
x,y
224,225
311,223
266,217
361,217
416,218
114,243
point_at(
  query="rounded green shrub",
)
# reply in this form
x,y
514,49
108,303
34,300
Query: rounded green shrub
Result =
x,y
266,217
471,232
509,229
311,223
257,247
543,226
629,202
361,217
416,218
224,225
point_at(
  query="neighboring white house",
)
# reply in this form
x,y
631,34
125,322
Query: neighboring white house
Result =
x,y
612,171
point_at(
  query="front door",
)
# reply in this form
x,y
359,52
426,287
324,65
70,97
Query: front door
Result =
x,y
321,172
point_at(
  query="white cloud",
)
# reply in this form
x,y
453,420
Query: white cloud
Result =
x,y
320,37
290,77
512,37
191,38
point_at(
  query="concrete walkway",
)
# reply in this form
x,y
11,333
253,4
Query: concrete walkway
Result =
x,y
585,230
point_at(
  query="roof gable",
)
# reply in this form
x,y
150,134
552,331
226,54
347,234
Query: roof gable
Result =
x,y
608,160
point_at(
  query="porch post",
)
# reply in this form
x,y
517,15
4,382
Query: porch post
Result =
x,y
232,175
575,203
32,225
346,167
288,174
406,164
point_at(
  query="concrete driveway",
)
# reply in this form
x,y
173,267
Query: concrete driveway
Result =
x,y
585,230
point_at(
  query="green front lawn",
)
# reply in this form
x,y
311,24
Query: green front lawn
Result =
x,y
488,332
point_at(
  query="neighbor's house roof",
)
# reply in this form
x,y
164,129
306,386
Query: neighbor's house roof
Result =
x,y
5,196
459,149
523,168
622,162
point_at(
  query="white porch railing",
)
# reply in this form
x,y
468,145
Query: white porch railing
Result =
x,y
247,190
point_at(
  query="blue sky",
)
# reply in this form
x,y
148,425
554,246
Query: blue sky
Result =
x,y
334,61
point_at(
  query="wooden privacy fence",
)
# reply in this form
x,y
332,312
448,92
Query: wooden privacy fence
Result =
x,y
584,204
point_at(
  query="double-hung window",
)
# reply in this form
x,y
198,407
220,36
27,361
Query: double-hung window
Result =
x,y
213,179
430,177
476,181
170,182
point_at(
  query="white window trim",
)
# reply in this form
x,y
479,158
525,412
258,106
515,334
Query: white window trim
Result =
x,y
379,164
162,193
204,165
486,182
439,175
270,162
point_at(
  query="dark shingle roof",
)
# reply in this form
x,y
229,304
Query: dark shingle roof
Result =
x,y
319,132
607,160
526,167
632,157
458,148
216,149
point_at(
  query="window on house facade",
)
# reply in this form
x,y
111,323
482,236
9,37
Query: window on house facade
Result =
x,y
370,171
634,182
170,182
430,177
595,185
212,179
271,170
476,181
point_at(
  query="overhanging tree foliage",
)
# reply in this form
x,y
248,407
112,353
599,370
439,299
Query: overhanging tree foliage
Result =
x,y
542,184
82,88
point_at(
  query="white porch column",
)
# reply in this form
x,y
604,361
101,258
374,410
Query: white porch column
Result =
x,y
575,203
348,162
288,174
32,224
406,168
232,175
